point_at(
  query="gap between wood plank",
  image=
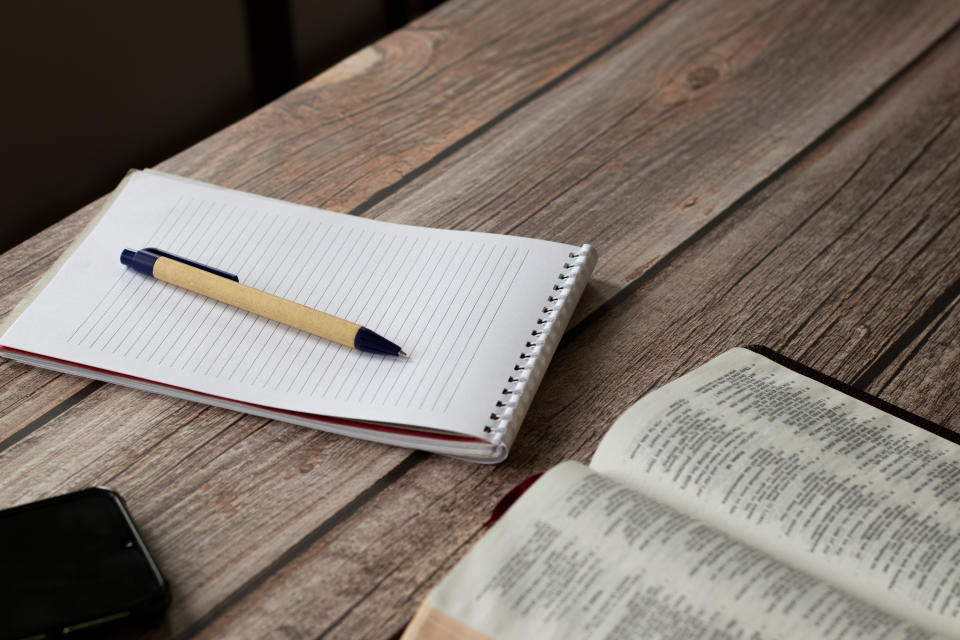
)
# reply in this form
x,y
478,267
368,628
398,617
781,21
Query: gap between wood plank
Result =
x,y
906,338
663,262
38,422
342,515
390,189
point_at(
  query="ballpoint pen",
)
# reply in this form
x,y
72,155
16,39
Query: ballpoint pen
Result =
x,y
225,287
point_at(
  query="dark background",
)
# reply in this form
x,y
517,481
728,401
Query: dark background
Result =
x,y
92,89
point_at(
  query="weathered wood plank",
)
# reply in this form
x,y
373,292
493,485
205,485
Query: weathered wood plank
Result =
x,y
27,393
641,150
830,263
383,112
925,376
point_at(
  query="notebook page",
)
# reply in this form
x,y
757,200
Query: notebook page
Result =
x,y
460,304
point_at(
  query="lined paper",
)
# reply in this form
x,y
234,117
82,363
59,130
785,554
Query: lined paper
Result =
x,y
460,304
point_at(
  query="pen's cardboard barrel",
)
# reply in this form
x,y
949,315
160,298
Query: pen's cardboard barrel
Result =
x,y
256,301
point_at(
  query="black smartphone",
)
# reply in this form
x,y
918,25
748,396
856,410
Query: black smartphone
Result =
x,y
75,565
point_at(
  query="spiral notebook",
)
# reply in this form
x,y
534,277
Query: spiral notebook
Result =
x,y
479,314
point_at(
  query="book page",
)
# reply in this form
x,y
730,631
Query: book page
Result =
x,y
460,304
583,556
812,476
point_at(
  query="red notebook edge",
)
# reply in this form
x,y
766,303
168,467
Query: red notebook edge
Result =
x,y
298,414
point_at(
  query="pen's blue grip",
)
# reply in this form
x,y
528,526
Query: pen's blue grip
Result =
x,y
140,261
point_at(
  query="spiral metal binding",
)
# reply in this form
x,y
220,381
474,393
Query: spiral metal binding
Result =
x,y
528,360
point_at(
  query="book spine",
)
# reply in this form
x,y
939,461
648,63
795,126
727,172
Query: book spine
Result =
x,y
540,345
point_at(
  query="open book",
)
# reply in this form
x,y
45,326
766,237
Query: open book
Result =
x,y
743,500
479,314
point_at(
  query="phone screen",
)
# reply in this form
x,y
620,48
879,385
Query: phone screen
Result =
x,y
74,562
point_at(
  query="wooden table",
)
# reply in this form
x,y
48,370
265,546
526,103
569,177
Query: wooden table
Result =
x,y
783,173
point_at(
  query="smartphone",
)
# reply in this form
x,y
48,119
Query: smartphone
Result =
x,y
75,565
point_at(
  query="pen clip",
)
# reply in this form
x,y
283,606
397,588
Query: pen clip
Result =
x,y
217,272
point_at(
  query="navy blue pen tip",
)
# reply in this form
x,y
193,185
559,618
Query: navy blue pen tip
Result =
x,y
367,340
127,256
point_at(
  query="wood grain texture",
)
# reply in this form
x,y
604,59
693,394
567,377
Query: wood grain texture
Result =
x,y
27,393
925,374
781,173
671,128
819,265
391,108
